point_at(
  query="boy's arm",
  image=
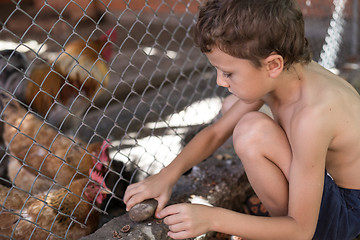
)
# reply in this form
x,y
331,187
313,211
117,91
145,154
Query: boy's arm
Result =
x,y
210,138
309,136
199,148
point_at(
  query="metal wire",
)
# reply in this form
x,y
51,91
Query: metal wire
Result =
x,y
156,90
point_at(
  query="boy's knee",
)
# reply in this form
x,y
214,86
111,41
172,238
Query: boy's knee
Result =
x,y
253,122
250,130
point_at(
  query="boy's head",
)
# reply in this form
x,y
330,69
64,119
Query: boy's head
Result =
x,y
253,30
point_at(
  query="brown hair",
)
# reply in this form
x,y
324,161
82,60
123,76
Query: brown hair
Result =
x,y
253,29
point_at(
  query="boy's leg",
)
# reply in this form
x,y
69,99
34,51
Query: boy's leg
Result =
x,y
265,152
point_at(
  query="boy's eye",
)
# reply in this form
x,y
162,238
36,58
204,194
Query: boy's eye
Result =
x,y
227,75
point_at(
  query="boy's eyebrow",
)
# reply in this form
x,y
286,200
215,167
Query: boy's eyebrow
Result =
x,y
221,69
217,67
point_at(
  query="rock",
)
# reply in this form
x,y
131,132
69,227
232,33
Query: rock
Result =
x,y
143,210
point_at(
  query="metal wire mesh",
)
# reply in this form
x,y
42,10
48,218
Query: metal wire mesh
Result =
x,y
123,115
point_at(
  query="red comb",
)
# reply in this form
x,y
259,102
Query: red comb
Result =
x,y
96,176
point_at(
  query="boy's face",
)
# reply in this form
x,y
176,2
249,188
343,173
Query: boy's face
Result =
x,y
240,76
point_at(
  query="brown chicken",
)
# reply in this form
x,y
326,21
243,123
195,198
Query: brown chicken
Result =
x,y
66,213
39,155
82,70
83,63
70,83
44,88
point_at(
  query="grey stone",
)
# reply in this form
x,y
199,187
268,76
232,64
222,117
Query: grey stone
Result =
x,y
143,210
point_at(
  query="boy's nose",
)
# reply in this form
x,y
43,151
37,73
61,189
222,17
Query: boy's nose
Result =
x,y
220,81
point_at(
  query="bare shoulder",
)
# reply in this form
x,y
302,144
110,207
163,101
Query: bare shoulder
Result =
x,y
328,94
331,108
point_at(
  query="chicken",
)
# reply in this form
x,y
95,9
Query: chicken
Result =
x,y
36,84
39,155
70,83
84,65
66,213
35,181
44,89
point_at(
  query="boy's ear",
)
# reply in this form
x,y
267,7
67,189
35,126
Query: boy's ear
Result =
x,y
274,65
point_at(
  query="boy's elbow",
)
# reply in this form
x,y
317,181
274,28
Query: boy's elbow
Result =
x,y
303,233
297,230
303,236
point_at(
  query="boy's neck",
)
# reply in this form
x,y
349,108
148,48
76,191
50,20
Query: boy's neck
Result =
x,y
287,87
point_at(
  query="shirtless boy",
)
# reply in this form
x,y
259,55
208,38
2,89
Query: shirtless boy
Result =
x,y
303,163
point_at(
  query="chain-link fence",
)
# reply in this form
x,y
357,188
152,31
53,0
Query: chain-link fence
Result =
x,y
109,91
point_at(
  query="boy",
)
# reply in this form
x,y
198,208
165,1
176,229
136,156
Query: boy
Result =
x,y
303,164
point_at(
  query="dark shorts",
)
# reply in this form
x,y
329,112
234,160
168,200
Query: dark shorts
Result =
x,y
339,217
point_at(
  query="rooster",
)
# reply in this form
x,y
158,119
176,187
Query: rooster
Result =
x,y
63,213
84,63
70,83
39,155
84,66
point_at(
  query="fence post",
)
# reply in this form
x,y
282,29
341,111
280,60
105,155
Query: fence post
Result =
x,y
355,26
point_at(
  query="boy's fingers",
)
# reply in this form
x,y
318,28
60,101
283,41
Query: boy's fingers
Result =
x,y
177,227
134,200
137,197
160,207
133,190
126,197
170,210
178,235
130,190
172,220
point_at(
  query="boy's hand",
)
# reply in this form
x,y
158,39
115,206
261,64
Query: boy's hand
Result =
x,y
156,186
186,220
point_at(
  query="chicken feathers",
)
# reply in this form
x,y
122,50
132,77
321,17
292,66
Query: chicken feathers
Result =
x,y
84,64
44,154
63,213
